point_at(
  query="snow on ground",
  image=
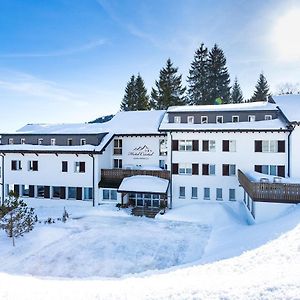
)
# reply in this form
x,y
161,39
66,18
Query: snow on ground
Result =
x,y
262,260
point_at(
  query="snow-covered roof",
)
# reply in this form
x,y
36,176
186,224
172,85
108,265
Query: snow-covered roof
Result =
x,y
76,128
144,184
275,124
289,105
261,105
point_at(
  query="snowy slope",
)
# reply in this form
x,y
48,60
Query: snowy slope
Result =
x,y
270,271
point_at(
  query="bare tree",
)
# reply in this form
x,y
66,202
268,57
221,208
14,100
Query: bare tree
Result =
x,y
288,88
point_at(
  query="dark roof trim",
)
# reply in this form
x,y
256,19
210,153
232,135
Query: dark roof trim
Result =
x,y
226,130
49,152
52,134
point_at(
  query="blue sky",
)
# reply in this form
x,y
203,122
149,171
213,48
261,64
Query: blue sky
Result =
x,y
69,60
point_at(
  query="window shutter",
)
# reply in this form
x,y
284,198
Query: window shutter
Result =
x,y
281,146
82,166
205,145
258,146
175,145
225,170
62,192
225,145
205,169
281,171
31,191
14,165
174,168
35,165
258,168
195,169
78,193
17,190
47,191
195,145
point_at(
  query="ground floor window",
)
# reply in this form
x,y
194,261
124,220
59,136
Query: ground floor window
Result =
x,y
182,192
110,194
71,192
25,190
40,191
88,193
206,193
219,193
56,192
232,194
194,192
146,199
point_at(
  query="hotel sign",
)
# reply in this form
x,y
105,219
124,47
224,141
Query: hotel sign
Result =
x,y
141,152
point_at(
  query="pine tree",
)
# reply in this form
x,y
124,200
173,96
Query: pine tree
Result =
x,y
218,76
169,90
262,91
198,77
236,93
142,99
129,97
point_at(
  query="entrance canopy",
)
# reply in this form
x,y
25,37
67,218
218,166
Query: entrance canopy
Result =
x,y
144,184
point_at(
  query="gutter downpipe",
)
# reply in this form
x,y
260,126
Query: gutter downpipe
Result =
x,y
2,175
92,156
289,151
171,177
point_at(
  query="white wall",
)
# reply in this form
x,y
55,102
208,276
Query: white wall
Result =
x,y
244,158
295,152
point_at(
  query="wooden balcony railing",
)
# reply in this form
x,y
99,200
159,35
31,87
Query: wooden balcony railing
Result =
x,y
270,192
114,177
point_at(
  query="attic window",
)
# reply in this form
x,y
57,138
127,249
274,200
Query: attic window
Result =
x,y
190,119
235,119
251,118
268,117
177,119
204,119
219,119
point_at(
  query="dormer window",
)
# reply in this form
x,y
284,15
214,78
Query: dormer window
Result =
x,y
177,119
22,141
82,142
268,117
40,141
70,142
219,119
251,118
235,119
52,142
10,141
190,119
204,119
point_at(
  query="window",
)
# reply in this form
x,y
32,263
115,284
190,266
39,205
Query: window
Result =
x,y
229,146
105,194
208,146
88,193
177,119
206,193
79,167
70,142
10,141
208,169
185,169
235,119
113,195
16,165
181,192
271,146
270,170
194,192
185,145
268,117
232,194
118,163
163,147
64,166
40,191
33,165
219,119
229,170
25,190
118,143
22,141
162,164
251,118
52,142
56,192
110,195
71,192
219,193
190,119
40,141
82,142
204,119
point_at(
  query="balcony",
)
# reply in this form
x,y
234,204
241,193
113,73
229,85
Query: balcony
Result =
x,y
273,192
112,178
